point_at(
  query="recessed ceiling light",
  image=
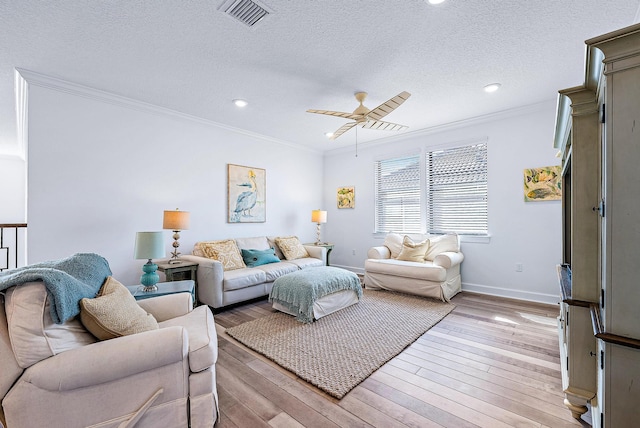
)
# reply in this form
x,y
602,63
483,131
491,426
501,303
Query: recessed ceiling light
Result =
x,y
240,103
492,87
435,1
328,134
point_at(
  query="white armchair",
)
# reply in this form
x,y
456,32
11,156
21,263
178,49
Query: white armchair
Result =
x,y
164,377
436,275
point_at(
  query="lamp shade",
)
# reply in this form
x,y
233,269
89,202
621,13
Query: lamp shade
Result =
x,y
149,245
318,216
176,220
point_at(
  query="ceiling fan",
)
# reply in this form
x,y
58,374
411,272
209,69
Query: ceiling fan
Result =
x,y
369,119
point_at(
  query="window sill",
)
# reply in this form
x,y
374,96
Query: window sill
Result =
x,y
474,239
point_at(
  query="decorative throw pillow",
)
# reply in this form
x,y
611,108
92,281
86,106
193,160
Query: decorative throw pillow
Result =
x,y
412,251
441,244
393,241
114,312
254,258
226,252
292,248
273,244
197,250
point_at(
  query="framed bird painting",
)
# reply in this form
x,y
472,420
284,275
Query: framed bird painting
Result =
x,y
246,194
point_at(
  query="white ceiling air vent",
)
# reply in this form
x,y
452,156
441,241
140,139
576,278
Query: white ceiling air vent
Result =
x,y
248,12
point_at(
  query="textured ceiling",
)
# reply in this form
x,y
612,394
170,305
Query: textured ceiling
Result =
x,y
190,57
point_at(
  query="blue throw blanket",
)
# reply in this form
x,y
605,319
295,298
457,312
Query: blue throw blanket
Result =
x,y
67,281
298,291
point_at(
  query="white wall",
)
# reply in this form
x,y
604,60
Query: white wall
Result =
x,y
102,168
527,233
13,189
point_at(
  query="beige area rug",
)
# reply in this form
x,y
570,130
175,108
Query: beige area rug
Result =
x,y
338,351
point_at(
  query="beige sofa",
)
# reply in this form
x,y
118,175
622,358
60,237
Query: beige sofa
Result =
x,y
436,275
220,286
59,375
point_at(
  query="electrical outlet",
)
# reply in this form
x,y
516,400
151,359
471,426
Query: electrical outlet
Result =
x,y
519,267
353,252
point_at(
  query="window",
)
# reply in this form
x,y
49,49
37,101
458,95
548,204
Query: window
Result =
x,y
398,195
457,190
454,189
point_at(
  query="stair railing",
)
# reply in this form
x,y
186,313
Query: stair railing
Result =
x,y
12,245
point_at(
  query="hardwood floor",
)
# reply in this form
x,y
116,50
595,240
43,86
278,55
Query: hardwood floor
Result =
x,y
492,362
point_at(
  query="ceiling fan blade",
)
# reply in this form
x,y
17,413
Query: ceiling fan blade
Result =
x,y
383,126
336,114
344,128
388,106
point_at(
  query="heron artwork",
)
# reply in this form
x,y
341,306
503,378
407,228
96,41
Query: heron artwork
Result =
x,y
246,187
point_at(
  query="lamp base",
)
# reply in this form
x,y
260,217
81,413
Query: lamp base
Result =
x,y
175,261
150,278
318,235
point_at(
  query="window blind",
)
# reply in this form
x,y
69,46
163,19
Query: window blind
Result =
x,y
397,193
457,190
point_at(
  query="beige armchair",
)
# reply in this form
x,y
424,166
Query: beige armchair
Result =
x,y
66,378
436,273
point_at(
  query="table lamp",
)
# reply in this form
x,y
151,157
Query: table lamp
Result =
x,y
149,245
318,216
175,220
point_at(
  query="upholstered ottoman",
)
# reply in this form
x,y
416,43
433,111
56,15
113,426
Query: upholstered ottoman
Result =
x,y
312,293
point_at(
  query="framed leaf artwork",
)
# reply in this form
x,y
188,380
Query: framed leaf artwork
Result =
x,y
346,197
542,184
246,194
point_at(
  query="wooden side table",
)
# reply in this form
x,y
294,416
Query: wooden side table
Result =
x,y
179,271
326,245
164,288
184,270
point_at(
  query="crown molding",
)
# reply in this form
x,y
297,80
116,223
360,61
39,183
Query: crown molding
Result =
x,y
75,89
464,123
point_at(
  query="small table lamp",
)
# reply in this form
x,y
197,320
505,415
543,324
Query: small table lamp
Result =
x,y
319,217
149,245
176,221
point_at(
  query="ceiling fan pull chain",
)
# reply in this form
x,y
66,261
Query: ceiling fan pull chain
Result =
x,y
356,141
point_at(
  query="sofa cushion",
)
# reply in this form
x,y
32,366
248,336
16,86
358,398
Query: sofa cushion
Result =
x,y
114,313
306,262
413,251
33,334
243,278
274,271
225,251
291,247
253,258
419,270
203,342
257,243
441,244
393,241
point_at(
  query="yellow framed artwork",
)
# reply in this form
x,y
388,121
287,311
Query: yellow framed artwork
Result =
x,y
542,184
346,197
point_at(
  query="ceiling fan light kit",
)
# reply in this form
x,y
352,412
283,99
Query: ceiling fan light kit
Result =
x,y
368,119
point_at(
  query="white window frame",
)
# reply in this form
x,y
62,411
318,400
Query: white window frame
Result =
x,y
481,236
461,197
398,225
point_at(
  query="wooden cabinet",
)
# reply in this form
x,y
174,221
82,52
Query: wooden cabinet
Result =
x,y
598,133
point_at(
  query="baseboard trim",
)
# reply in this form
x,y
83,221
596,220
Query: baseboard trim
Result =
x,y
359,271
531,296
551,299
